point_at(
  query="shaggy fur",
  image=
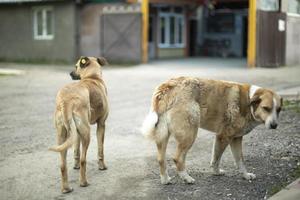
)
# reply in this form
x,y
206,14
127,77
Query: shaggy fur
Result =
x,y
182,105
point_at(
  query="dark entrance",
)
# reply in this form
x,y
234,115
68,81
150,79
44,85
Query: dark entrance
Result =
x,y
245,36
193,37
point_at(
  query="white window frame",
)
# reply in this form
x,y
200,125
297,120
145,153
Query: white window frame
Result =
x,y
45,35
167,16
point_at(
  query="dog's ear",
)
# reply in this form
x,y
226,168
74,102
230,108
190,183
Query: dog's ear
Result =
x,y
255,100
102,61
84,62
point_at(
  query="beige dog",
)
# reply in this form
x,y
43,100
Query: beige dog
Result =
x,y
182,105
77,106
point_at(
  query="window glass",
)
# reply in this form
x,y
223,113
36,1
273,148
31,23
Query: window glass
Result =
x,y
178,9
172,30
49,21
220,23
180,29
162,30
39,22
294,6
269,5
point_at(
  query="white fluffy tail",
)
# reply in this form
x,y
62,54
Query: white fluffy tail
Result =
x,y
148,127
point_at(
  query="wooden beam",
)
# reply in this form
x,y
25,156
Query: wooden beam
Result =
x,y
145,28
251,54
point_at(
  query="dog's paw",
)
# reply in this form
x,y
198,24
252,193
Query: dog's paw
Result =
x,y
186,177
67,190
76,166
249,176
101,165
84,184
165,179
218,172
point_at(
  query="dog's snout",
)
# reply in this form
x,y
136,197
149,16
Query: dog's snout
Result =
x,y
74,76
273,125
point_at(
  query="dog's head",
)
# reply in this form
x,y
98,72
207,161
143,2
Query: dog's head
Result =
x,y
265,107
88,67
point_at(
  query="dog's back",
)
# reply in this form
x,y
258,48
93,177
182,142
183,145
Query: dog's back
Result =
x,y
218,102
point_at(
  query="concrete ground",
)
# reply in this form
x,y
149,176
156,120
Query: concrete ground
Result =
x,y
29,171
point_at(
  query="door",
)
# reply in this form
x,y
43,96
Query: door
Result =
x,y
121,37
271,39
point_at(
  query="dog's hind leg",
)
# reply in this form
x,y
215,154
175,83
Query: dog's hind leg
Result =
x,y
61,138
83,129
77,152
161,157
100,140
237,152
184,126
219,146
185,137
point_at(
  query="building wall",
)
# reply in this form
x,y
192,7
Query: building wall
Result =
x,y
90,29
17,38
292,40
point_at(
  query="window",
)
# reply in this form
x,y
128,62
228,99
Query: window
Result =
x,y
43,23
171,27
220,23
294,6
268,5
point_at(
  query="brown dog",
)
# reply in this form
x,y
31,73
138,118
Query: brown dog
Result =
x,y
182,105
77,106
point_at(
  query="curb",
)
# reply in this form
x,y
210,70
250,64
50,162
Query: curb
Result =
x,y
290,192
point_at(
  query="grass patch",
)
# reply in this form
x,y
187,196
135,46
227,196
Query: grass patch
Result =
x,y
292,105
5,75
293,176
35,61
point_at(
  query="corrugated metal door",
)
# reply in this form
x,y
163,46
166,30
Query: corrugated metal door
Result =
x,y
271,39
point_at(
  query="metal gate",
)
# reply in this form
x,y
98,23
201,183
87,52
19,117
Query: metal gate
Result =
x,y
121,37
271,39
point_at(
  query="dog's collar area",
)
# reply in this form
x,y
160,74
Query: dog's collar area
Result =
x,y
252,90
253,115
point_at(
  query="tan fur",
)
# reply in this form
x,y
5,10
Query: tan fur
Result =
x,y
78,105
185,104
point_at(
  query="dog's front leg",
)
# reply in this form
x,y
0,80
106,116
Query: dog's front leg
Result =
x,y
219,146
237,152
100,140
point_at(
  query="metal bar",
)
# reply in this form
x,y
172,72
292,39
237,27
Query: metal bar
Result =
x,y
251,56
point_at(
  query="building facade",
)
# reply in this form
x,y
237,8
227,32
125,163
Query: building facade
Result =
x,y
38,31
134,31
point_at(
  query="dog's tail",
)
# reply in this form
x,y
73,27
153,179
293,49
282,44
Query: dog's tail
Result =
x,y
149,124
154,126
70,126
